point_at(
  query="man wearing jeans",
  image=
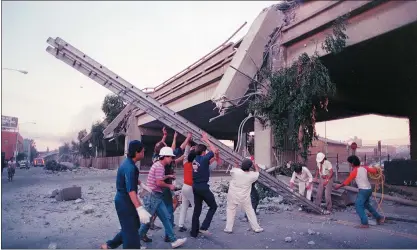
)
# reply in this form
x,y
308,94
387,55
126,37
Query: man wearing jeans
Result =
x,y
154,201
201,190
360,174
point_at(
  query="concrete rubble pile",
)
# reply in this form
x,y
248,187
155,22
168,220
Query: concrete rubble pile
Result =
x,y
267,204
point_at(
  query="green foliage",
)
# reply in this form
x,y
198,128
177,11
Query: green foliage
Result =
x,y
83,147
336,42
295,95
64,149
112,106
97,137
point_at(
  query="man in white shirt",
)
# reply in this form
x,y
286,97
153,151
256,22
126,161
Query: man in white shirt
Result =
x,y
305,179
324,173
239,194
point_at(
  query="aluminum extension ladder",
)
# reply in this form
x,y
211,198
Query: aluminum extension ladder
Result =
x,y
94,70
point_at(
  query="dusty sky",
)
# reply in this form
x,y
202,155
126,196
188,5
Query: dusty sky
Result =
x,y
145,42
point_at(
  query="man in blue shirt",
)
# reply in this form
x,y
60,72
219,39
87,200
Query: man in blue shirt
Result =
x,y
201,189
128,207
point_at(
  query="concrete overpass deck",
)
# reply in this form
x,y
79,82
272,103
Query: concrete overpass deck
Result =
x,y
374,74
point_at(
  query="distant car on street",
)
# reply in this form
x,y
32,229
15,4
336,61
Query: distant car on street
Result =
x,y
39,162
23,164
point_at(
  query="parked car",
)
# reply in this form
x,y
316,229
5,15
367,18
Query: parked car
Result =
x,y
39,162
23,164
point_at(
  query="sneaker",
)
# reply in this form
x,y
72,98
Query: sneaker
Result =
x,y
146,239
380,221
227,231
205,232
259,230
178,242
182,229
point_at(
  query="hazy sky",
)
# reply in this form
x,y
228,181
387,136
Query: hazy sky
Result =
x,y
144,42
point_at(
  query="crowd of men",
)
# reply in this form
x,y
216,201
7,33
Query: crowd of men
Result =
x,y
137,211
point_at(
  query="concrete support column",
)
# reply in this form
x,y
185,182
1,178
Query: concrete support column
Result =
x,y
133,132
263,145
413,136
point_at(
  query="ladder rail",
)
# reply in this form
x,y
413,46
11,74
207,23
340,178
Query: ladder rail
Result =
x,y
100,74
66,50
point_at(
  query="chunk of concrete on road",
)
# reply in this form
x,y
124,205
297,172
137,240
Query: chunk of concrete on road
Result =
x,y
78,201
52,245
311,232
288,239
88,209
311,242
54,193
68,194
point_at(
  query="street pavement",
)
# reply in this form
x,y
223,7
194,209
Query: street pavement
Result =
x,y
31,219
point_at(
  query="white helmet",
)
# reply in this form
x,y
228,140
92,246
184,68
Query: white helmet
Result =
x,y
166,151
320,157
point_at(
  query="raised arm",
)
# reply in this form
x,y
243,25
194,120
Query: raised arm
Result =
x,y
174,141
164,135
187,140
206,140
352,176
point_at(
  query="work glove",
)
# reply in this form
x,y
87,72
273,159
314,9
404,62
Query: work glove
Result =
x,y
144,187
144,216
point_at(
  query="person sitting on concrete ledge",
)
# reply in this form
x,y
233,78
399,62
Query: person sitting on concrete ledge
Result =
x,y
360,174
239,194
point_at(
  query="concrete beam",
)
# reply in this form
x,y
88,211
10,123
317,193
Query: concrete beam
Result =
x,y
248,59
197,97
376,21
112,126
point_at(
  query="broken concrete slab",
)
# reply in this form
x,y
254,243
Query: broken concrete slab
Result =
x,y
52,245
68,194
288,239
88,209
54,193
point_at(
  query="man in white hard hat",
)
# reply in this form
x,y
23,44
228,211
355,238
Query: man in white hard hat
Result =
x,y
154,202
324,173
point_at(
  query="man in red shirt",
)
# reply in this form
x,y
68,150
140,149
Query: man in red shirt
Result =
x,y
360,174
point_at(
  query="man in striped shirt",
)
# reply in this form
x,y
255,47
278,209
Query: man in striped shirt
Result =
x,y
154,201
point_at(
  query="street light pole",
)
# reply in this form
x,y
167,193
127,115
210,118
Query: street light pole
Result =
x,y
18,70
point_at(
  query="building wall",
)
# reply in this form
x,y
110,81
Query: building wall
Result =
x,y
8,143
336,153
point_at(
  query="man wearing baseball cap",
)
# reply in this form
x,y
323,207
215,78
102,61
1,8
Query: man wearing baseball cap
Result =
x,y
128,207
